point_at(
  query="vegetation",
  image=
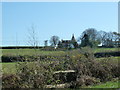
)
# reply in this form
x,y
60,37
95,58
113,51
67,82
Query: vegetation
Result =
x,y
106,50
40,72
35,68
31,52
54,40
110,84
90,38
10,68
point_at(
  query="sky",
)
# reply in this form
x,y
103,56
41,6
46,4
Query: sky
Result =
x,y
55,18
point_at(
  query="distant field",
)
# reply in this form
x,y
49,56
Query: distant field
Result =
x,y
115,59
106,49
30,52
12,52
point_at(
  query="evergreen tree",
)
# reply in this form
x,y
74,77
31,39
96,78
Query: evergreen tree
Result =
x,y
85,41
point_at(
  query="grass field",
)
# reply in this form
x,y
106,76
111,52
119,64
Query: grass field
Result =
x,y
105,50
8,68
31,52
109,84
12,52
115,59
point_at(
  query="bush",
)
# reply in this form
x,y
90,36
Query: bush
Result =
x,y
10,81
39,73
86,80
84,63
35,74
29,75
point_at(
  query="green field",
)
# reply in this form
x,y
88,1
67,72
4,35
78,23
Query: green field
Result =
x,y
106,49
109,84
115,59
12,52
9,68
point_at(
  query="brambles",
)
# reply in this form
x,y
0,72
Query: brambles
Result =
x,y
86,80
39,72
10,81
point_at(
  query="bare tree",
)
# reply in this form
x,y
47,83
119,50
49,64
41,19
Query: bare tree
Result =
x,y
108,39
116,38
54,40
33,40
102,36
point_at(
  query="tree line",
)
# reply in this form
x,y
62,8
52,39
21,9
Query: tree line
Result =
x,y
91,37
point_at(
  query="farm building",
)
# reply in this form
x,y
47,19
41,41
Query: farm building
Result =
x,y
68,43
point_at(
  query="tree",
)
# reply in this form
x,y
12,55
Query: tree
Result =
x,y
60,44
102,37
85,41
92,36
116,38
109,39
92,33
33,40
54,40
46,43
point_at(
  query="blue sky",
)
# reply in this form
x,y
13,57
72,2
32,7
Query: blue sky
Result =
x,y
60,18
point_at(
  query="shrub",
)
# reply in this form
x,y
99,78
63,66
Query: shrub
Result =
x,y
10,81
85,64
86,80
29,75
35,74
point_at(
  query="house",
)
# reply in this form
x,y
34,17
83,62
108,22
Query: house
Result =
x,y
68,43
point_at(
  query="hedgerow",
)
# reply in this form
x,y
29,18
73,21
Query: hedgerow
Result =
x,y
39,72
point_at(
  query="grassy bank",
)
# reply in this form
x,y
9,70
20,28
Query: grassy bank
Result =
x,y
8,68
110,84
